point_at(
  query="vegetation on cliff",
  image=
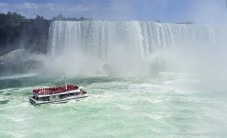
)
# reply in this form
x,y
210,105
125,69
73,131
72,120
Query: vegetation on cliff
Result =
x,y
60,17
11,19
17,31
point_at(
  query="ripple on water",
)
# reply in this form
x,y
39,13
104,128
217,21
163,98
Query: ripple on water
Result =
x,y
4,100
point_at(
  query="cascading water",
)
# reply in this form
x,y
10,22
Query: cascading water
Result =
x,y
141,38
130,43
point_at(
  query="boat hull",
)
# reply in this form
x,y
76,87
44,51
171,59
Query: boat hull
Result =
x,y
58,101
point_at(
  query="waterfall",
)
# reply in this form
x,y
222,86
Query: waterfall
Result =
x,y
138,37
134,46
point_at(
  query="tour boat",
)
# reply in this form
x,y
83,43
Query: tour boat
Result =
x,y
59,94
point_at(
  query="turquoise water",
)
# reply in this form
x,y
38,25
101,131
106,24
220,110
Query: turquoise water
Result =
x,y
159,105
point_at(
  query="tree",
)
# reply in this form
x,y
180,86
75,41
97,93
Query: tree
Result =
x,y
187,22
14,15
11,19
81,18
39,17
60,17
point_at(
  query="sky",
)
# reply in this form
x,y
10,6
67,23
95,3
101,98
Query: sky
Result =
x,y
198,11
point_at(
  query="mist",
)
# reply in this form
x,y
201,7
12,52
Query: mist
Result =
x,y
72,62
141,49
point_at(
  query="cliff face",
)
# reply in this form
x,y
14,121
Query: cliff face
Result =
x,y
31,35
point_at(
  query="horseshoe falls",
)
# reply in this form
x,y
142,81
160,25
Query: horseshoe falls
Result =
x,y
144,79
142,38
134,47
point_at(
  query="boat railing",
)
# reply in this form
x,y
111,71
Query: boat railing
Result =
x,y
53,90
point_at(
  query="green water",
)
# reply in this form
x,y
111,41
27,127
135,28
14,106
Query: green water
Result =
x,y
161,105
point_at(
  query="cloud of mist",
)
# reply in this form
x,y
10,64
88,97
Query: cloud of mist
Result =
x,y
73,62
124,62
204,60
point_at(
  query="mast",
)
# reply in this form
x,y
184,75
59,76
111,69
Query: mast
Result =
x,y
65,82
